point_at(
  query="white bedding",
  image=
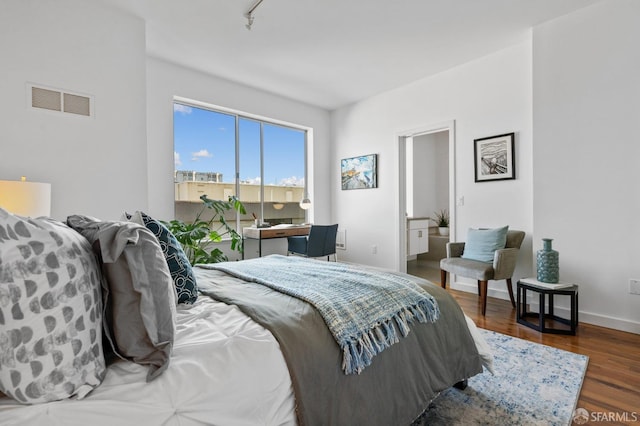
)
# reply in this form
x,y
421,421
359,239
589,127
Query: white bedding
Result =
x,y
225,370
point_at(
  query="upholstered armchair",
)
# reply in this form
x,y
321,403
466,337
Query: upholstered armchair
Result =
x,y
320,242
502,267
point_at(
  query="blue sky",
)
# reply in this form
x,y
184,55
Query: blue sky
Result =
x,y
204,141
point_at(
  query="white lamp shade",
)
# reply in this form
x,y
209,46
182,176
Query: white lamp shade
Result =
x,y
31,199
305,203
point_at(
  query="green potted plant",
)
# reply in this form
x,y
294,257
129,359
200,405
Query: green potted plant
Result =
x,y
198,238
441,219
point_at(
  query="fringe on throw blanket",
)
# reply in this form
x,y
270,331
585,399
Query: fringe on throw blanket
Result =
x,y
358,352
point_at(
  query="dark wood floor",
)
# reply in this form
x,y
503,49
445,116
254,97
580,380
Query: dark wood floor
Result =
x,y
612,380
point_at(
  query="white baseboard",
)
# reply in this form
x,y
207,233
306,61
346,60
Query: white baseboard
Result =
x,y
583,317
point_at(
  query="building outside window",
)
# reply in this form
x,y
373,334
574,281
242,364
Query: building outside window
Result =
x,y
222,154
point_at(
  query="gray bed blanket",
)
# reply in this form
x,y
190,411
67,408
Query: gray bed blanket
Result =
x,y
393,390
365,310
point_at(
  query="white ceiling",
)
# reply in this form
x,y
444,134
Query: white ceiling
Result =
x,y
330,53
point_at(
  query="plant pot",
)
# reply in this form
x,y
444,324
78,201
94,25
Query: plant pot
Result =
x,y
443,230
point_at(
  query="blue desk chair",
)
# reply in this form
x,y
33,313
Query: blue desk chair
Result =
x,y
321,241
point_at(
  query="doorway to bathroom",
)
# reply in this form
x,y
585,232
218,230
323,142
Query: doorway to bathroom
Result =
x,y
427,189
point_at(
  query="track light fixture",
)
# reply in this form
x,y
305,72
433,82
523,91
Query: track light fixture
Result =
x,y
249,14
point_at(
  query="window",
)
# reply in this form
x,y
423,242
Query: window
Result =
x,y
222,154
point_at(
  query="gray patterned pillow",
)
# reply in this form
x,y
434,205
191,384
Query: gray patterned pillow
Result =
x,y
50,311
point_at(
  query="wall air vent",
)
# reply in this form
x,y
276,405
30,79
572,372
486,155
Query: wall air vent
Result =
x,y
62,101
47,99
75,104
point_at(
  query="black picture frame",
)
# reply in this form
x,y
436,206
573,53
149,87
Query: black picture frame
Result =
x,y
359,172
494,158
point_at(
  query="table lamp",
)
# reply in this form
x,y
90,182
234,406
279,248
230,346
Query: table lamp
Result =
x,y
30,199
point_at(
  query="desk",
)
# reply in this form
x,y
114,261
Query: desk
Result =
x,y
547,320
260,234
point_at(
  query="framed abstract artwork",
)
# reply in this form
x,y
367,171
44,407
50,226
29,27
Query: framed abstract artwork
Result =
x,y
494,158
359,172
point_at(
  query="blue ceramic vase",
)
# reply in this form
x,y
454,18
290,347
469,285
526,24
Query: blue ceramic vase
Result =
x,y
548,265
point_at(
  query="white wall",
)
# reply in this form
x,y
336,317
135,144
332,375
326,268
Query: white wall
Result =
x,y
490,96
442,171
97,166
166,80
430,161
424,175
586,124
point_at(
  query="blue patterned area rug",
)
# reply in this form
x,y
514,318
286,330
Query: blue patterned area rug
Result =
x,y
533,384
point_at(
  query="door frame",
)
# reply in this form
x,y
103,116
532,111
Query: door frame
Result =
x,y
401,138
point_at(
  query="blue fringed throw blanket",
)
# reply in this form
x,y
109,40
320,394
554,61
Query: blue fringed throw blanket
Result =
x,y
364,310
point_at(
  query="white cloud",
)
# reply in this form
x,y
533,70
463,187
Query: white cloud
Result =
x,y
203,153
252,181
292,181
182,109
176,159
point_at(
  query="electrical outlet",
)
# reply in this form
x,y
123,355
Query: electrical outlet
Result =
x,y
374,249
634,286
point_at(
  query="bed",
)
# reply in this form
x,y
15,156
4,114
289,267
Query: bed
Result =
x,y
241,353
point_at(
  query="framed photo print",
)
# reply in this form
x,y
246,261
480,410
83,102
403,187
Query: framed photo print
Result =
x,y
494,158
359,172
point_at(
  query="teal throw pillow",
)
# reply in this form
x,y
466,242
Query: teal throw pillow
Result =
x,y
482,243
181,271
